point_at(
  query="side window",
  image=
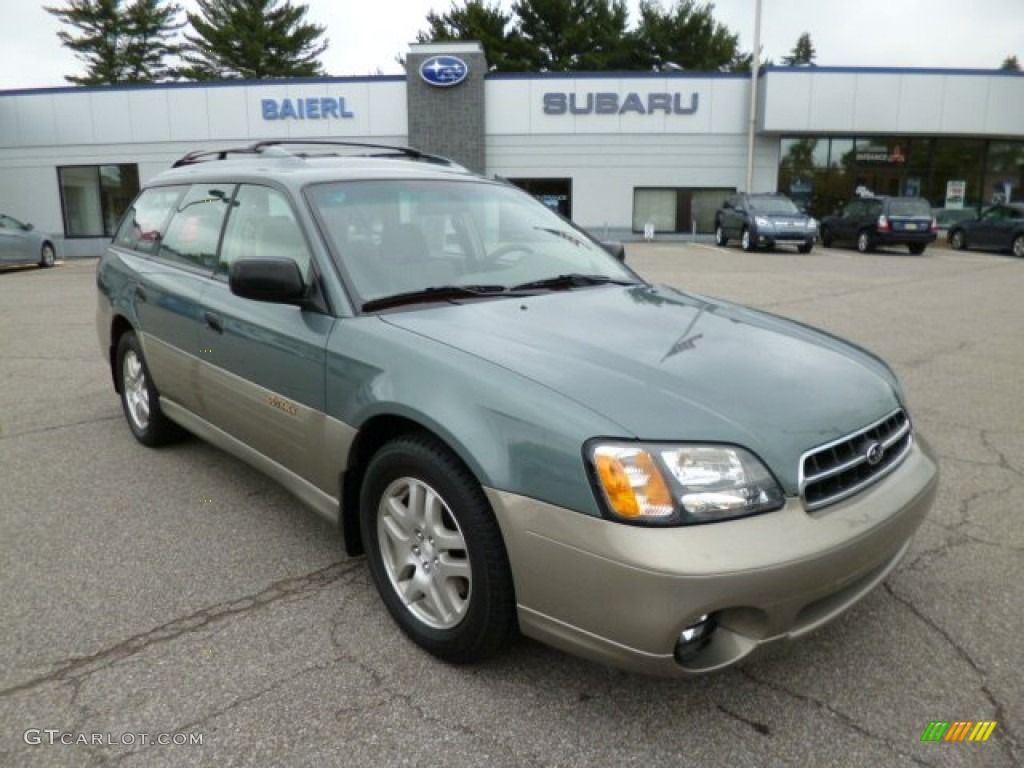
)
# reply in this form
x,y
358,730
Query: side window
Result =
x,y
262,225
142,224
193,233
853,208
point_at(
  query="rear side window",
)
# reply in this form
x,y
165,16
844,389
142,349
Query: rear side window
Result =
x,y
194,231
143,223
911,206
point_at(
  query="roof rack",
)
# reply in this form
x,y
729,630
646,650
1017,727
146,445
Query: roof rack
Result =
x,y
276,148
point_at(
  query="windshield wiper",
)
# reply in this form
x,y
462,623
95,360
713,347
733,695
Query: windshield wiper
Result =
x,y
571,280
434,293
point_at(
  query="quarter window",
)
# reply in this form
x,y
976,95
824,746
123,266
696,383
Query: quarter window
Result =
x,y
141,227
194,231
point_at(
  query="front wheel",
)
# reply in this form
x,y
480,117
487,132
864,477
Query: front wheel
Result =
x,y
745,242
806,247
1017,246
139,397
864,242
720,239
957,241
826,237
47,256
435,552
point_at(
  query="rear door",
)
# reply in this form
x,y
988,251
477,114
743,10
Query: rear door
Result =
x,y
846,226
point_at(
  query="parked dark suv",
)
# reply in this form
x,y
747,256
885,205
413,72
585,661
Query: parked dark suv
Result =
x,y
764,221
874,221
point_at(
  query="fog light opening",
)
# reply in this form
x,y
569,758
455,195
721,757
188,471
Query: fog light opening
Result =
x,y
695,638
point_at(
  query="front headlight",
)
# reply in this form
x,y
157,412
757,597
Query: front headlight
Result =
x,y
680,484
762,222
812,224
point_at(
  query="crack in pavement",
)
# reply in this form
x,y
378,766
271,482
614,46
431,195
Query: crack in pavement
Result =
x,y
78,667
1004,735
57,427
1003,461
845,719
757,725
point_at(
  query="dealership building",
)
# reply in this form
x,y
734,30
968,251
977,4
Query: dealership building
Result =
x,y
614,151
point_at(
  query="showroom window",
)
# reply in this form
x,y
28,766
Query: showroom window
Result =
x,y
682,209
93,197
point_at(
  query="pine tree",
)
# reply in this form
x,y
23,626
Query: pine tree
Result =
x,y
1011,63
574,35
686,36
251,40
476,20
803,52
120,43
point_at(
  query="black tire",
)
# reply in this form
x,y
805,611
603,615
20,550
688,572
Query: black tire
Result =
x,y
47,256
720,239
746,241
469,614
139,398
1017,246
957,240
826,237
864,244
916,248
806,247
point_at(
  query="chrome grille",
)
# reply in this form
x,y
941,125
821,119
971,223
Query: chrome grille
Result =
x,y
832,472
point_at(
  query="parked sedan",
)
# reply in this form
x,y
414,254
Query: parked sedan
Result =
x,y
21,244
1001,226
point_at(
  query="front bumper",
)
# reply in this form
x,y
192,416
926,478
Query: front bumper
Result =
x,y
769,237
622,594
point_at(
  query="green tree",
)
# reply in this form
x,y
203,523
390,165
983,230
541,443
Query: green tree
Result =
x,y
477,20
574,35
251,40
1011,63
803,52
685,35
120,43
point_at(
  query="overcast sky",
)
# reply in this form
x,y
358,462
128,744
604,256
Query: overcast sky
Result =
x,y
366,36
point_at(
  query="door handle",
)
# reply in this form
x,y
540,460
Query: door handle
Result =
x,y
213,322
140,293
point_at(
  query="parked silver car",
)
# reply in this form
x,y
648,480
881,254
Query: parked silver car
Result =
x,y
20,243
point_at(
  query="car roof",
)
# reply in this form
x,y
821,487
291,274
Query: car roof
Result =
x,y
303,162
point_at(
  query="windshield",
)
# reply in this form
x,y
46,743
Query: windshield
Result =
x,y
401,236
773,205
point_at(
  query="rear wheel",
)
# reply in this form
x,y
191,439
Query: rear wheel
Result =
x,y
916,248
957,241
720,238
139,398
745,242
47,256
435,552
1017,246
864,243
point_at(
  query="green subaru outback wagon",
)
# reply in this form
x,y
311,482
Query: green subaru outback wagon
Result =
x,y
520,432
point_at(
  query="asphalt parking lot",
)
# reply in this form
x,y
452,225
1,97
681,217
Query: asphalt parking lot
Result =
x,y
177,592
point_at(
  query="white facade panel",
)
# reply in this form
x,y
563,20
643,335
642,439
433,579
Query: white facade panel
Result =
x,y
876,103
150,115
1005,112
227,113
37,119
189,116
965,103
729,106
830,105
74,118
111,117
387,109
507,107
920,104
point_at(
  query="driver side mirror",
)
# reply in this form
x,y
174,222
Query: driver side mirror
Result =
x,y
28,226
273,280
615,248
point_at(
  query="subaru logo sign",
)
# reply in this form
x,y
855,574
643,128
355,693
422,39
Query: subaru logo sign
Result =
x,y
444,71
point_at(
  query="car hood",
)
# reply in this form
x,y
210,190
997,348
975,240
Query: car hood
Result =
x,y
666,365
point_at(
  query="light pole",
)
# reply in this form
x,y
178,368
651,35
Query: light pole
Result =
x,y
754,67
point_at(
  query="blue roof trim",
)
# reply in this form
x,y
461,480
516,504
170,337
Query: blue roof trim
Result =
x,y
174,86
616,75
892,71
